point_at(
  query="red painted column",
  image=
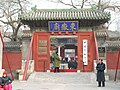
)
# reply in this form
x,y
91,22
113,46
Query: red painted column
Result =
x,y
28,58
1,50
117,65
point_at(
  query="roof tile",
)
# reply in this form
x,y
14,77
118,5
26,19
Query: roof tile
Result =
x,y
112,43
61,14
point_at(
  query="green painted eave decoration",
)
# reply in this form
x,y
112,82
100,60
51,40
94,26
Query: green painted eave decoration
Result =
x,y
66,14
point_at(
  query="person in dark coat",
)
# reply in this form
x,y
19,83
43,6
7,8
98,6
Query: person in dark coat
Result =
x,y
6,81
70,65
75,64
100,73
1,82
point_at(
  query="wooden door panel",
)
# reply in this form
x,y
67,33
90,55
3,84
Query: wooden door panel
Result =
x,y
41,52
40,66
84,36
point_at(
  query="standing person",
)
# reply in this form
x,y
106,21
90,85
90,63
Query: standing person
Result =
x,y
100,73
1,83
56,62
70,64
6,81
75,64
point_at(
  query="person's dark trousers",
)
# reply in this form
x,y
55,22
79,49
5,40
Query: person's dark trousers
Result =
x,y
56,69
99,84
103,84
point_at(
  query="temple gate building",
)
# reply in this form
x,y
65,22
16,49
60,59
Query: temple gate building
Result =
x,y
70,31
73,34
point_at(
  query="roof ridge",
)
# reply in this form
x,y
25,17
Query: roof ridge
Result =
x,y
83,9
66,10
53,14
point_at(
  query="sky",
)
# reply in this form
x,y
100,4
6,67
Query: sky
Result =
x,y
45,4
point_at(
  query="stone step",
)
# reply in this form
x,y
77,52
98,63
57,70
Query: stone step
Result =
x,y
63,78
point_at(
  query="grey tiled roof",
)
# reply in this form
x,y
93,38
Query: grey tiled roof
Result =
x,y
12,44
65,14
112,43
101,34
27,33
113,34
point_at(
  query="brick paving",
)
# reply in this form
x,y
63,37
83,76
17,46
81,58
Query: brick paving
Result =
x,y
63,81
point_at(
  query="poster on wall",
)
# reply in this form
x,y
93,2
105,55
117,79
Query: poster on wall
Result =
x,y
69,52
85,52
101,51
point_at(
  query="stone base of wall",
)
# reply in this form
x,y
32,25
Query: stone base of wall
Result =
x,y
111,74
29,71
30,66
21,73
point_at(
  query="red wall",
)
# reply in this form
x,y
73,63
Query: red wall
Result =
x,y
112,58
15,60
91,51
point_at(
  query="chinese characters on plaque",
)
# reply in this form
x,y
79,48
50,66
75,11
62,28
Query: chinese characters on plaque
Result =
x,y
42,43
42,46
42,50
63,26
85,52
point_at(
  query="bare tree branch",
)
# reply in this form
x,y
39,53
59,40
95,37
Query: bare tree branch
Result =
x,y
68,4
21,8
73,4
83,3
2,16
10,10
4,22
7,36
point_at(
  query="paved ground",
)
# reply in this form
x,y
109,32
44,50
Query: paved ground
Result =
x,y
63,81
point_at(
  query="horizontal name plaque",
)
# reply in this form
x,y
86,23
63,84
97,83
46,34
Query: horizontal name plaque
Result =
x,y
63,26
